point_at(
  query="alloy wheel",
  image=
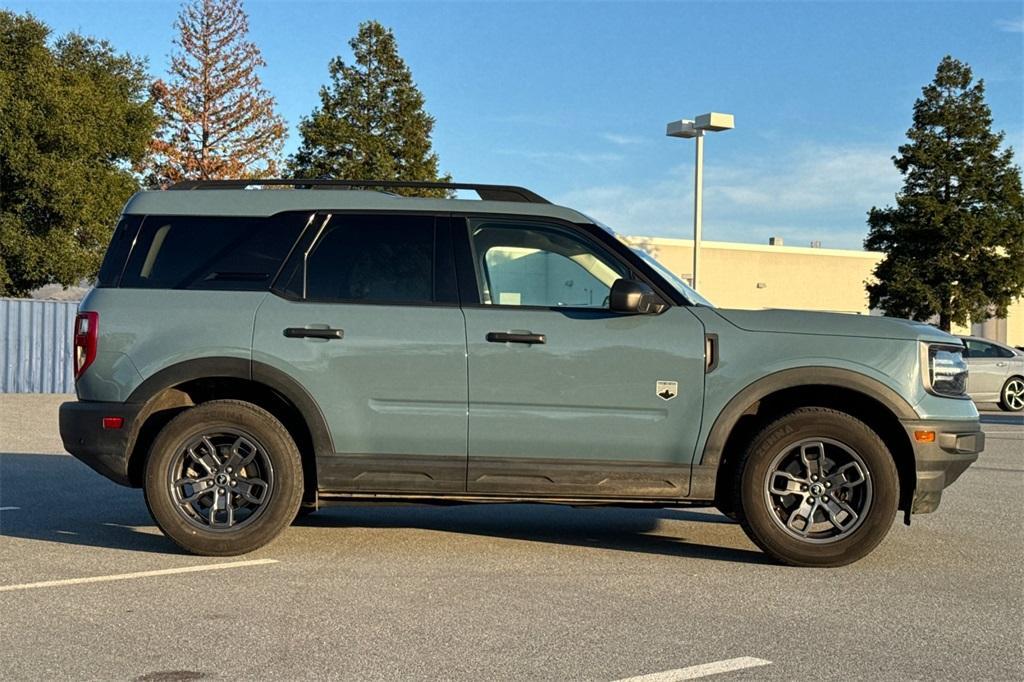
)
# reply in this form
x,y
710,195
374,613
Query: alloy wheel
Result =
x,y
818,490
1013,395
221,481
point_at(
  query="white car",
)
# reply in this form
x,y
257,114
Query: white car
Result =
x,y
996,373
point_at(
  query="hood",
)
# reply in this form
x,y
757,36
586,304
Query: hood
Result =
x,y
834,324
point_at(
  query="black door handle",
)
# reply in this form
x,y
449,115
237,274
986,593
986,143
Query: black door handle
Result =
x,y
512,337
305,333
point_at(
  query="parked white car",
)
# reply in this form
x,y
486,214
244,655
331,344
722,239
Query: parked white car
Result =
x,y
996,373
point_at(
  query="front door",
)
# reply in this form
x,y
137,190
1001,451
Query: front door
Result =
x,y
567,398
366,318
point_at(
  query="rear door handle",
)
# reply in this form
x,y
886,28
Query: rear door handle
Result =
x,y
513,337
306,333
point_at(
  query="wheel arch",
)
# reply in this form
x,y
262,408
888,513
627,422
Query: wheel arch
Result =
x,y
864,397
192,382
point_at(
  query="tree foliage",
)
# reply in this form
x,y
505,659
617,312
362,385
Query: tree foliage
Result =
x,y
954,242
371,124
74,118
218,120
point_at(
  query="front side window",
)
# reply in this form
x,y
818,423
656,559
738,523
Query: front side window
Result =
x,y
203,252
525,264
367,259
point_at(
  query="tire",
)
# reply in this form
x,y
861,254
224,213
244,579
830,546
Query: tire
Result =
x,y
216,513
1011,398
811,526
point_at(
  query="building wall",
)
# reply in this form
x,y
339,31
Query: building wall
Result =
x,y
1015,324
754,276
35,345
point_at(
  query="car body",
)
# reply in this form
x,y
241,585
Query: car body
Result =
x,y
996,373
355,346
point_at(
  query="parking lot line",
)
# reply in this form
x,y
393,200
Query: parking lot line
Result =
x,y
140,574
9,508
704,670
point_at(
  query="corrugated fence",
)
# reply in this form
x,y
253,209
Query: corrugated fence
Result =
x,y
35,345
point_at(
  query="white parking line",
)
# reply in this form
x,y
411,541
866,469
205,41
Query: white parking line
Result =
x,y
704,670
140,574
9,508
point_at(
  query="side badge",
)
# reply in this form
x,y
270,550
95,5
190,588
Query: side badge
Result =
x,y
667,390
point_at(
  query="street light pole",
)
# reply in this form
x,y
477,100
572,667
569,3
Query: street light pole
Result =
x,y
686,128
698,203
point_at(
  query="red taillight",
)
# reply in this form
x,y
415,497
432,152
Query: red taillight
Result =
x,y
86,340
113,422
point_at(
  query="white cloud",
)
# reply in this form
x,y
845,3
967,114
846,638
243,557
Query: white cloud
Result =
x,y
813,193
1011,25
624,140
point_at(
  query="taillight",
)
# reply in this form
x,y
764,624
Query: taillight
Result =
x,y
86,340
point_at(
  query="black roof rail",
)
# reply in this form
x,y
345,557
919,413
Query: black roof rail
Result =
x,y
486,192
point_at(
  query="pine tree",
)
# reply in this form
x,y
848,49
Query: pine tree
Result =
x,y
219,121
74,119
954,242
371,124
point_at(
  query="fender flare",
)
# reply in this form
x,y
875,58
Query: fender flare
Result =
x,y
794,378
239,368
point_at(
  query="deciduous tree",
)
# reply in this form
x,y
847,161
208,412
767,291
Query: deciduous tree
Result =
x,y
371,124
74,119
218,120
954,242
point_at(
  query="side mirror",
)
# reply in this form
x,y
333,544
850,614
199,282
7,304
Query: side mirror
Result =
x,y
630,296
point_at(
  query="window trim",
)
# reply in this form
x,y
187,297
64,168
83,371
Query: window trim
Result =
x,y
468,277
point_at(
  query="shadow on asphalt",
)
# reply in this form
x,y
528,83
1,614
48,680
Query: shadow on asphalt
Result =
x,y
61,500
627,530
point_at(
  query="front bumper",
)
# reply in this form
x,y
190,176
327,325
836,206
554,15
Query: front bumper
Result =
x,y
940,462
105,450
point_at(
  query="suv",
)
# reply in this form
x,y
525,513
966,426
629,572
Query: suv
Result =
x,y
255,349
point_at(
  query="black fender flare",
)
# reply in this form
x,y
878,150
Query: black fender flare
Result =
x,y
795,378
238,368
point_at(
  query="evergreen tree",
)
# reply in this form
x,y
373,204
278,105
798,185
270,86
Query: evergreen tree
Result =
x,y
370,124
954,242
74,119
218,121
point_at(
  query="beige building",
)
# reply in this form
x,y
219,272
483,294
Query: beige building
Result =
x,y
754,276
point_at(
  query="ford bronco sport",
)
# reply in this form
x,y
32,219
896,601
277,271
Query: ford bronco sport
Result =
x,y
252,350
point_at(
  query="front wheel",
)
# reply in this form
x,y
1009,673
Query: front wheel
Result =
x,y
223,478
1011,399
817,487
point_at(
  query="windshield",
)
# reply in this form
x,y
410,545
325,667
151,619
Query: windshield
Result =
x,y
677,283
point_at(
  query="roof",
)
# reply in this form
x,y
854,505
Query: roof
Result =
x,y
265,202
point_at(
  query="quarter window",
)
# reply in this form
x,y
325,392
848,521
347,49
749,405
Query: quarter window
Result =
x,y
524,264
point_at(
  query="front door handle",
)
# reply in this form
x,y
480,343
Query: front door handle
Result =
x,y
515,337
306,333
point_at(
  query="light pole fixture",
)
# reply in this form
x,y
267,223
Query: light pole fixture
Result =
x,y
711,122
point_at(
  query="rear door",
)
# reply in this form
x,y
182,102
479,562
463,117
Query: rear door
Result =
x,y
566,397
365,317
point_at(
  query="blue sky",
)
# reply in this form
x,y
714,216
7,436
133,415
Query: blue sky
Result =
x,y
571,99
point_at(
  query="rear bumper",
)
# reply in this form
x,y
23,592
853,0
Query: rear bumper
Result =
x,y
939,463
105,450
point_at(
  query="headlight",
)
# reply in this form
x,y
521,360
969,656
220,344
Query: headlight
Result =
x,y
947,371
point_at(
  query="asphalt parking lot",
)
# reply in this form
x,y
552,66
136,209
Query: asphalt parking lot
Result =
x,y
494,592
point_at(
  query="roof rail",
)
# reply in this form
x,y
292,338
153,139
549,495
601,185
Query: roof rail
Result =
x,y
486,192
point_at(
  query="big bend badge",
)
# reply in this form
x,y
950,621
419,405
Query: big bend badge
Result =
x,y
667,390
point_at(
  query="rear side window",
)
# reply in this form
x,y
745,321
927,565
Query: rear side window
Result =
x,y
367,259
201,252
120,245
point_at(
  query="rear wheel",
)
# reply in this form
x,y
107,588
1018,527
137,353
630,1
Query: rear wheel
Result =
x,y
817,487
1011,399
223,478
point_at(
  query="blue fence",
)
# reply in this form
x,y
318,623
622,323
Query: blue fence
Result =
x,y
36,345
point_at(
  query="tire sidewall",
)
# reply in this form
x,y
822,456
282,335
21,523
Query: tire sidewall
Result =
x,y
757,517
209,418
1003,402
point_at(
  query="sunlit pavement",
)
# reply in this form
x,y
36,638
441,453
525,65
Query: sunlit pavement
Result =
x,y
500,592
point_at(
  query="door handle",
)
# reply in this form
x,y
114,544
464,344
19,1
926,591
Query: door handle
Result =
x,y
306,333
513,337
1001,364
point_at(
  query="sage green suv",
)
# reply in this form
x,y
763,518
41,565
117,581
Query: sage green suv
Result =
x,y
254,351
